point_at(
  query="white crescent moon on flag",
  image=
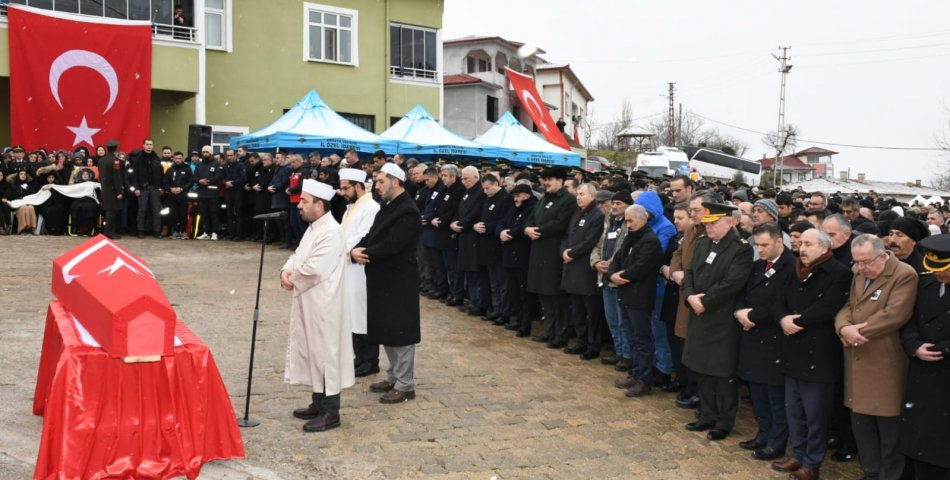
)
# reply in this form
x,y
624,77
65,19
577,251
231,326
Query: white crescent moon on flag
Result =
x,y
83,58
529,98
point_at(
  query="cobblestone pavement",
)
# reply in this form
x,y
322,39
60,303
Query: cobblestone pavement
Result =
x,y
488,404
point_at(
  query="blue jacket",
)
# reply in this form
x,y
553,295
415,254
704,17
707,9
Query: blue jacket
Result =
x,y
429,233
662,227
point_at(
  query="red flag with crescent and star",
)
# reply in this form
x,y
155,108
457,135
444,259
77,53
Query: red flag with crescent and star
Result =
x,y
78,80
534,105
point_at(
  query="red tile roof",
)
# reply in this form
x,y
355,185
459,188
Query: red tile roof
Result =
x,y
459,79
817,150
789,162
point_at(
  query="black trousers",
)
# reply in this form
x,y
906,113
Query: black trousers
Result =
x,y
720,399
555,310
364,351
111,223
209,208
586,326
178,212
327,403
438,282
234,200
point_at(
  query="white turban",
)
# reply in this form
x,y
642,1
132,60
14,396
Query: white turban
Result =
x,y
394,170
353,175
318,189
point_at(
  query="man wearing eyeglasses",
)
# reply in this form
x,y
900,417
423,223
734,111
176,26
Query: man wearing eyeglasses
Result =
x,y
817,201
883,292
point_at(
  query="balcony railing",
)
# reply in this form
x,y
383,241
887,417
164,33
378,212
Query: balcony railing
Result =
x,y
118,9
412,73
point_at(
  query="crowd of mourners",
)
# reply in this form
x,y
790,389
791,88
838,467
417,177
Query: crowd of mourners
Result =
x,y
828,313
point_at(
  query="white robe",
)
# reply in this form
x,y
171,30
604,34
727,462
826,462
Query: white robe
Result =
x,y
356,224
320,345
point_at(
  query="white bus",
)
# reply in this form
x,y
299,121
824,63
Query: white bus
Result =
x,y
663,161
715,165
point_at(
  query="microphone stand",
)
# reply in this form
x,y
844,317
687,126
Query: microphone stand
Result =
x,y
245,421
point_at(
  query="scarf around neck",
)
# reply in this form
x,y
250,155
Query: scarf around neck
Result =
x,y
802,271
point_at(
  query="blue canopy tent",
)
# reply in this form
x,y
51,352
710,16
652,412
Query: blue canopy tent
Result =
x,y
312,125
419,135
522,147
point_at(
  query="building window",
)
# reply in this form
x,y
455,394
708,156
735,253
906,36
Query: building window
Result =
x,y
216,25
477,65
221,136
492,113
366,122
330,34
159,12
412,52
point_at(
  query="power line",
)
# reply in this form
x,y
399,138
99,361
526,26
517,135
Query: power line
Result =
x,y
907,36
871,62
878,50
873,147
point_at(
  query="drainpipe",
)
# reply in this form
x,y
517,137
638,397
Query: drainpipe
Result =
x,y
386,68
200,101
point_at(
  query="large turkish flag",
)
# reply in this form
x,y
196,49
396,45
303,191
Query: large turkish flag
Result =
x,y
78,81
534,104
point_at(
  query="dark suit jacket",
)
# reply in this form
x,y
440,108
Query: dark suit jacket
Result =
x,y
445,210
494,209
639,257
469,213
760,348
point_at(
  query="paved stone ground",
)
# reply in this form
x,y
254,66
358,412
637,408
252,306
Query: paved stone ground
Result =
x,y
488,404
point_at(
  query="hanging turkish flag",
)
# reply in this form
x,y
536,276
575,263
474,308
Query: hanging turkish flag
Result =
x,y
78,81
532,102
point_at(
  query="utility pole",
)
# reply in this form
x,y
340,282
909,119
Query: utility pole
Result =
x,y
679,125
781,136
671,118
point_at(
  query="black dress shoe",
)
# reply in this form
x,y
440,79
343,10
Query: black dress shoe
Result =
x,y
453,302
489,316
844,455
717,434
589,355
541,338
308,413
768,453
366,370
322,423
673,387
513,326
751,444
557,344
834,443
699,426
522,334
477,312
623,365
575,350
691,402
660,379
499,321
610,359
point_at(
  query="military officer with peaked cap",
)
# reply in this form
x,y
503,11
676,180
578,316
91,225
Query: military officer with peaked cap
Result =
x,y
924,423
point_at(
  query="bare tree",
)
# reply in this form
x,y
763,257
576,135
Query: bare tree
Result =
x,y
784,141
941,178
608,134
692,130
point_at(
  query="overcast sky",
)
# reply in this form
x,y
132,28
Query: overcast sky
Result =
x,y
870,73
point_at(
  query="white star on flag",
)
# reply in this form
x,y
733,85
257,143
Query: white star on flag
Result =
x,y
83,133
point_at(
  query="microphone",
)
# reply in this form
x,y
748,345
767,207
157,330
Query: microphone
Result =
x,y
271,216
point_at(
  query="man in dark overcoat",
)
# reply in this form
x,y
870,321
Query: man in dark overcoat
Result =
x,y
760,344
578,279
811,351
547,227
468,214
392,283
446,240
515,252
925,425
718,272
112,185
496,205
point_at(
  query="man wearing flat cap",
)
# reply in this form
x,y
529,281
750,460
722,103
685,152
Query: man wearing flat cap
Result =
x,y
924,424
905,233
357,221
881,301
319,346
718,272
392,283
546,229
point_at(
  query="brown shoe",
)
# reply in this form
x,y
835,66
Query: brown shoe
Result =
x,y
638,390
626,383
395,396
308,413
381,387
787,465
804,473
322,423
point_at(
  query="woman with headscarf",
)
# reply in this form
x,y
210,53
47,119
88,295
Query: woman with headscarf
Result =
x,y
21,185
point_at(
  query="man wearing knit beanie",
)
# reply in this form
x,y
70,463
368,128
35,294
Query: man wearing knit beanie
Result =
x,y
766,211
905,233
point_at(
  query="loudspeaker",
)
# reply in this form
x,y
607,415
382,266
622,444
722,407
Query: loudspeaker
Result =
x,y
198,136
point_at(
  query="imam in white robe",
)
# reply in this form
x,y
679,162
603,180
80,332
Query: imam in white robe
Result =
x,y
356,224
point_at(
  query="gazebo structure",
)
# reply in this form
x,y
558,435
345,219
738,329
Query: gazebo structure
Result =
x,y
634,137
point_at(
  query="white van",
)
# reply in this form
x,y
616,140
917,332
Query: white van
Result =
x,y
663,161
